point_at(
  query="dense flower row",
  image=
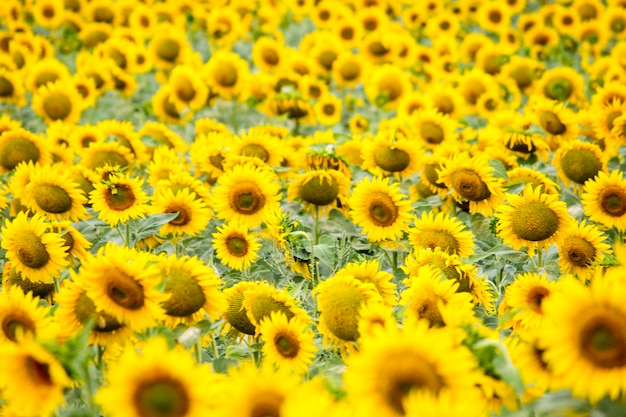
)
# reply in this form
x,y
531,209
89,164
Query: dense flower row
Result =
x,y
372,207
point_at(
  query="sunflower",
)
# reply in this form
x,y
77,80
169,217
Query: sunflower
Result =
x,y
226,72
52,192
419,403
245,193
235,246
268,54
433,298
328,110
189,90
76,244
119,198
369,272
473,84
236,321
386,85
168,47
76,310
380,209
31,378
523,299
348,69
163,136
262,298
20,145
465,275
578,161
100,154
21,316
471,179
36,253
432,231
339,301
58,101
390,154
157,382
258,144
525,175
193,290
46,71
580,247
532,219
562,84
193,214
557,121
604,199
11,87
394,363
288,344
320,188
584,337
123,283
252,391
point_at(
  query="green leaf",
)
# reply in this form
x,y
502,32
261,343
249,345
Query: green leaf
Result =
x,y
148,226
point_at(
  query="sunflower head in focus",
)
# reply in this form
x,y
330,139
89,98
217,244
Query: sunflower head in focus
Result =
x,y
320,188
432,231
235,246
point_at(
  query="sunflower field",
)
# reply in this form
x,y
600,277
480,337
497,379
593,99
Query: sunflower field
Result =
x,y
288,208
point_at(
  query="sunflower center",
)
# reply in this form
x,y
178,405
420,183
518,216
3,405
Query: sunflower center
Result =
x,y
469,185
551,123
432,239
237,317
270,56
45,78
613,201
391,159
287,347
267,406
57,106
247,199
52,198
578,251
255,150
186,296
429,310
168,50
103,158
416,374
383,211
237,245
430,172
391,88
123,290
162,397
120,197
226,75
184,215
18,150
38,371
350,71
579,165
6,87
340,312
31,251
185,90
522,76
326,59
263,305
534,222
535,297
14,324
559,89
319,190
86,310
603,339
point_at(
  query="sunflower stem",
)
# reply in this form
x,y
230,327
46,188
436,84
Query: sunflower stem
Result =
x,y
539,257
127,242
198,350
317,224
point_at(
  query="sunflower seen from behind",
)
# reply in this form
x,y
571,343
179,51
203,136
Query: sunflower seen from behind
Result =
x,y
288,344
123,283
159,382
245,193
380,209
604,200
532,219
34,251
